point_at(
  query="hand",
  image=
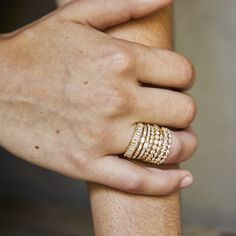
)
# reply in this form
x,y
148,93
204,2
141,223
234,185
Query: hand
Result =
x,y
71,94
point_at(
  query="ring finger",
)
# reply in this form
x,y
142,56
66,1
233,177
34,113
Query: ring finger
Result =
x,y
184,143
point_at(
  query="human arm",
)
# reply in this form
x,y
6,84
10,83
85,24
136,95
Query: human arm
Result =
x,y
56,113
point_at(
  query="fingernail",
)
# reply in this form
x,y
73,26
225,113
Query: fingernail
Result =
x,y
186,182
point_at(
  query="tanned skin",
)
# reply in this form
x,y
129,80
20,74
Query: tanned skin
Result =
x,y
116,213
72,89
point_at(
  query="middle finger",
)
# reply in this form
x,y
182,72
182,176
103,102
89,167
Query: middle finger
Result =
x,y
163,107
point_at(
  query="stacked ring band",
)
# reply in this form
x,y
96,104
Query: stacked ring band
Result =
x,y
149,143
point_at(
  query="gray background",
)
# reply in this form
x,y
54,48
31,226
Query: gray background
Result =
x,y
206,32
37,202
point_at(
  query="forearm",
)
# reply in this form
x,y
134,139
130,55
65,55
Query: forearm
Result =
x,y
118,213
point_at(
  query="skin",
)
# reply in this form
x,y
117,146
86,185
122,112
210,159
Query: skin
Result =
x,y
70,95
128,214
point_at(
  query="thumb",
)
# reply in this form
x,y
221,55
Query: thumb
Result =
x,y
101,14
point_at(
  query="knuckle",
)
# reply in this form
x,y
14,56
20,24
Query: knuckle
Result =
x,y
117,102
121,59
166,186
97,135
78,163
82,164
171,188
190,110
188,73
163,186
134,185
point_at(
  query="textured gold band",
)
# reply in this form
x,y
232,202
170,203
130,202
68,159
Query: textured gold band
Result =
x,y
135,140
149,143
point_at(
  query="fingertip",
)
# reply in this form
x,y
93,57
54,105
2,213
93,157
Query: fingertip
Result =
x,y
187,181
180,179
169,181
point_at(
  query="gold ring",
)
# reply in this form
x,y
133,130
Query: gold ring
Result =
x,y
149,143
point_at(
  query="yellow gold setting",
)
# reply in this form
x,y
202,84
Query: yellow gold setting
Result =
x,y
150,143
